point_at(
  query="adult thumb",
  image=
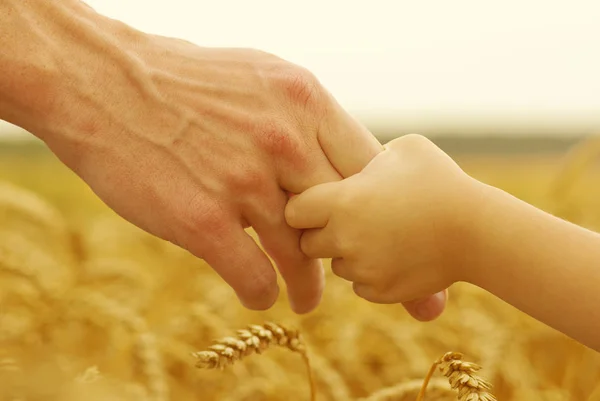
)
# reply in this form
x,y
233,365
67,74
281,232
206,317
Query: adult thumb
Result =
x,y
348,144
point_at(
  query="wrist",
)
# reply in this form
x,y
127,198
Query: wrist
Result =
x,y
470,229
490,210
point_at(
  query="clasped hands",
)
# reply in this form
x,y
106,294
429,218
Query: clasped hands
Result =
x,y
196,144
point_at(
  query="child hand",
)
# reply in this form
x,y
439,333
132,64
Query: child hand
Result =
x,y
399,230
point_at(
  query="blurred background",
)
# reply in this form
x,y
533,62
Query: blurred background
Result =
x,y
510,89
511,71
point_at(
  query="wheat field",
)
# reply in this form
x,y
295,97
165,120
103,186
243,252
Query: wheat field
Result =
x,y
92,308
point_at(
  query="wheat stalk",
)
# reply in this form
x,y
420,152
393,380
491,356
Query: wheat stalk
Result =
x,y
406,390
254,339
462,377
330,378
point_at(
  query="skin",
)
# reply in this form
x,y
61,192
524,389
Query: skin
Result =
x,y
412,223
191,144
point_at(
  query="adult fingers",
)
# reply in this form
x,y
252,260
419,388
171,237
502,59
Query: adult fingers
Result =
x,y
236,257
348,145
428,308
304,277
317,171
312,208
342,147
305,167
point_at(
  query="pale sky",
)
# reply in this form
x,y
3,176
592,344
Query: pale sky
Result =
x,y
459,59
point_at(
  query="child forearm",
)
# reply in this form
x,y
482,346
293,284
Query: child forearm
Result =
x,y
412,223
544,266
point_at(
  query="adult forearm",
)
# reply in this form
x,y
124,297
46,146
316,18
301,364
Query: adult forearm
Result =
x,y
58,60
543,265
26,64
191,144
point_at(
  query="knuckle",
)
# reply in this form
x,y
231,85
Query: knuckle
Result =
x,y
199,219
299,86
246,180
278,141
413,141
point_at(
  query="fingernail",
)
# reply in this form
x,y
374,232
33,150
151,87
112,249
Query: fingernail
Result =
x,y
288,213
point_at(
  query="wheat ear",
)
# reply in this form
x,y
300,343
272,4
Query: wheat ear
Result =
x,y
254,339
462,377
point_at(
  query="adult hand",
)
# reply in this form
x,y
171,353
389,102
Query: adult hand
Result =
x,y
191,144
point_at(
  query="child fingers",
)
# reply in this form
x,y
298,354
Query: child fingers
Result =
x,y
347,270
319,243
373,294
365,291
428,308
312,208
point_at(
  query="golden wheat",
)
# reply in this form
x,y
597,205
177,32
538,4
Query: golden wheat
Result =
x,y
406,391
462,377
83,288
254,339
